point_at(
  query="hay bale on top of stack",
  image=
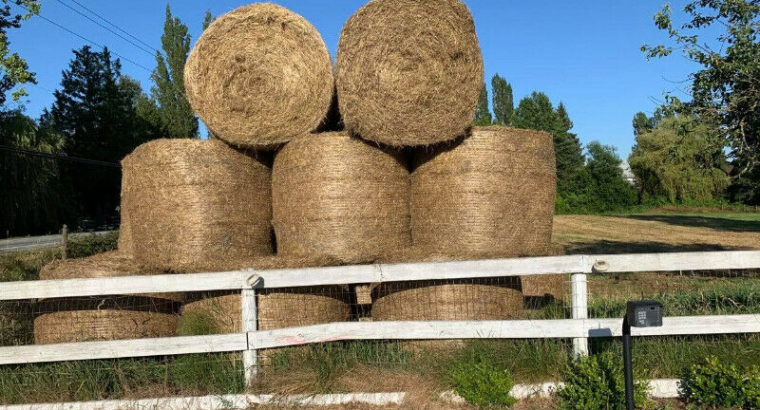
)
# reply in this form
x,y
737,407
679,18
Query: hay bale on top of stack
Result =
x,y
339,197
103,318
196,205
409,72
260,75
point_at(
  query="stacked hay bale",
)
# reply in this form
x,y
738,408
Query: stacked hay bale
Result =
x,y
196,205
489,195
260,75
339,197
409,72
220,312
107,317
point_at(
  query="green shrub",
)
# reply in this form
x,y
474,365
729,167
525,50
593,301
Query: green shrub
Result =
x,y
721,385
91,244
597,382
481,383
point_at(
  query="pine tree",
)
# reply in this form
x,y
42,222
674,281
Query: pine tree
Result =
x,y
95,113
482,114
208,19
177,118
503,102
642,124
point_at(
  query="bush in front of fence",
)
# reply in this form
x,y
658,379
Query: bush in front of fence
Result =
x,y
597,382
717,384
482,383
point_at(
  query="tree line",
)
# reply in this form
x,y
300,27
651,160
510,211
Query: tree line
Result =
x,y
97,113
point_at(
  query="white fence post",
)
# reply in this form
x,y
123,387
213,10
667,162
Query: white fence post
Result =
x,y
249,324
579,290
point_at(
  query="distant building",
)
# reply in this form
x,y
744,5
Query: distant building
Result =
x,y
627,173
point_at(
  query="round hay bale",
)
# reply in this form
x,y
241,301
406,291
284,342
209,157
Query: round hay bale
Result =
x,y
461,299
489,195
107,317
409,72
339,197
196,205
259,75
220,312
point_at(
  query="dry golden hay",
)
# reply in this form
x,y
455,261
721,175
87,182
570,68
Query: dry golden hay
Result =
x,y
339,197
259,75
460,299
539,290
409,72
102,317
490,195
220,312
196,205
125,229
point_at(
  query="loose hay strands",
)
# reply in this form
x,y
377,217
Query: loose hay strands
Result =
x,y
260,75
125,244
339,197
409,72
103,318
489,195
196,205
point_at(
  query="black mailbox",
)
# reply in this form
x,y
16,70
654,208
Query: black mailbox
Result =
x,y
644,313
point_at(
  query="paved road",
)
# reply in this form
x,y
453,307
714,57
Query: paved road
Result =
x,y
38,242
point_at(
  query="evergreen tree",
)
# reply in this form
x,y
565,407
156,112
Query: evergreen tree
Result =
x,y
208,18
536,112
94,112
482,114
609,191
503,104
177,118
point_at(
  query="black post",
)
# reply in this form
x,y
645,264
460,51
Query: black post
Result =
x,y
627,366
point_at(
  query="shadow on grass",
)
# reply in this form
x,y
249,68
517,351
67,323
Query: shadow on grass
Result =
x,y
615,247
724,224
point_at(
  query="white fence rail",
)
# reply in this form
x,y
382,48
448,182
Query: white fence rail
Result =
x,y
580,328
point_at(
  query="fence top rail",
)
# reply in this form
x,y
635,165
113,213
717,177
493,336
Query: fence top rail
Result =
x,y
340,275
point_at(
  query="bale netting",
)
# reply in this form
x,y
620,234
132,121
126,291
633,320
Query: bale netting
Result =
x,y
220,311
489,195
103,317
460,299
259,75
339,197
409,72
196,205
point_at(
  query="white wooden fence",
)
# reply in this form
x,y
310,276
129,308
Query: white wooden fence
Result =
x,y
579,328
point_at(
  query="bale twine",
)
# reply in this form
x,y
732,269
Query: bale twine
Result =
x,y
409,72
196,205
339,197
220,312
489,195
103,317
259,75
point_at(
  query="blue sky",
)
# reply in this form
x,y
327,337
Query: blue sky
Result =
x,y
584,52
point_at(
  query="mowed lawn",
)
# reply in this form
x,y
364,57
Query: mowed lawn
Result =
x,y
657,232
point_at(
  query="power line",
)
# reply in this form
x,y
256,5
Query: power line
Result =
x,y
141,48
113,25
59,157
86,39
